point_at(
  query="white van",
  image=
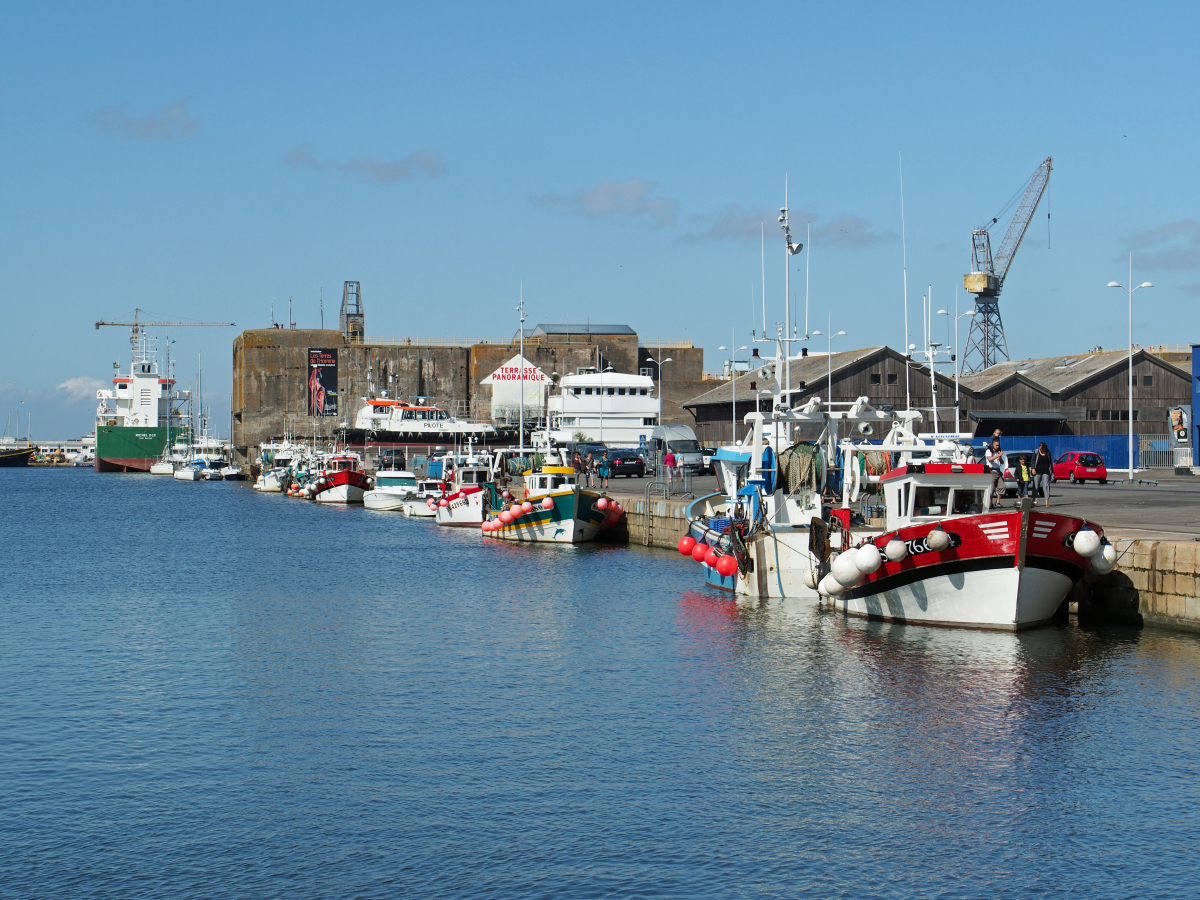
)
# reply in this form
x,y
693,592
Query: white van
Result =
x,y
681,441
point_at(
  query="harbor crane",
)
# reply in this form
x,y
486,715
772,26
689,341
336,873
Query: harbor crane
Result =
x,y
986,344
137,326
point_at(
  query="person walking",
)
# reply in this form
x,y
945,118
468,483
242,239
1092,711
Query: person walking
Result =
x,y
604,470
1041,472
1023,476
669,465
995,464
589,466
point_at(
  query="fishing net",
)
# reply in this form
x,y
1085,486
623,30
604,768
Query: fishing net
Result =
x,y
801,466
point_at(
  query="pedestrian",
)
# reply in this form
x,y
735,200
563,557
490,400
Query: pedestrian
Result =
x,y
1041,472
1023,476
995,464
768,465
669,465
603,469
996,435
589,465
577,465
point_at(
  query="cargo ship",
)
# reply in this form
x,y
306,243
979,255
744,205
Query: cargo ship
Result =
x,y
138,417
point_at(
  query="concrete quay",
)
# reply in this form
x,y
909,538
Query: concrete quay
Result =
x,y
1155,528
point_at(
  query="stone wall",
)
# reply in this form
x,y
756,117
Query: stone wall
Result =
x,y
1155,583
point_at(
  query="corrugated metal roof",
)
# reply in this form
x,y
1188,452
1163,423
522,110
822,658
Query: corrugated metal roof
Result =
x,y
811,370
1056,374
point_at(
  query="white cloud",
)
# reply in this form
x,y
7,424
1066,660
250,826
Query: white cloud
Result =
x,y
379,171
629,198
167,121
1172,245
736,223
81,387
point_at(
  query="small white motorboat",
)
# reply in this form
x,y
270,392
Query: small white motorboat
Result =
x,y
392,488
163,467
191,472
423,504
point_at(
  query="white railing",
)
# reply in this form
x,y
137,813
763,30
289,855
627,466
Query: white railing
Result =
x,y
1154,451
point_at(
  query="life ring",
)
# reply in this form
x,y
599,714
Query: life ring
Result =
x,y
856,478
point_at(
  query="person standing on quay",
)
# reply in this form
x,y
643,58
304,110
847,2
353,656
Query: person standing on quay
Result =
x,y
1041,472
669,465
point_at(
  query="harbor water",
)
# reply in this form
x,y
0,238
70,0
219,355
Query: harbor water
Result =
x,y
212,692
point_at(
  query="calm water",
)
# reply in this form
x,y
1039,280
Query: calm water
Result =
x,y
213,693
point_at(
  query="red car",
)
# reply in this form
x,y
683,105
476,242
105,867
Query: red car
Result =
x,y
1077,466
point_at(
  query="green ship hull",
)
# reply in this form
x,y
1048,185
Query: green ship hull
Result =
x,y
130,449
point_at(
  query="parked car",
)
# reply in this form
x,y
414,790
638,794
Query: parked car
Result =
x,y
1078,466
680,440
626,462
706,459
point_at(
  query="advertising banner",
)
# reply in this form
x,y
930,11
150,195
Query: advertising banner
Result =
x,y
322,382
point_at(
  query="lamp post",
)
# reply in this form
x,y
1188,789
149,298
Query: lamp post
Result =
x,y
954,356
733,380
829,336
607,368
660,381
1131,291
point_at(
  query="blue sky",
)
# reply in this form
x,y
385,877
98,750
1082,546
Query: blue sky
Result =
x,y
206,162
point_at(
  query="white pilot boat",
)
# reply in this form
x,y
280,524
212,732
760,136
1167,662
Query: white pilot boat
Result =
x,y
555,510
392,488
384,419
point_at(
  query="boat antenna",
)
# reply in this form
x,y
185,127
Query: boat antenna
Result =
x,y
762,227
904,263
808,238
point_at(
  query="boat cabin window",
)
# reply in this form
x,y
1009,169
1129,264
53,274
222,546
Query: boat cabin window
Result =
x,y
967,502
930,501
558,481
907,509
468,477
541,483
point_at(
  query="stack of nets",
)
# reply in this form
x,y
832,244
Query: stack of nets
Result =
x,y
800,466
877,462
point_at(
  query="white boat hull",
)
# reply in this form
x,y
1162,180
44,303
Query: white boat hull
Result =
x,y
1002,598
187,475
385,500
462,512
568,531
417,509
341,493
162,468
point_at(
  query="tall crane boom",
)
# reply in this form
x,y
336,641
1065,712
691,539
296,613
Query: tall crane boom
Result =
x,y
137,326
986,344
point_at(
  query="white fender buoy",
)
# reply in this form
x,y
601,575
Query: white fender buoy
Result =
x,y
937,540
856,481
895,550
829,586
845,570
810,578
1087,542
1105,560
867,558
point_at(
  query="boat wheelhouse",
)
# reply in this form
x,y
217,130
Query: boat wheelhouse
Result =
x,y
341,480
610,407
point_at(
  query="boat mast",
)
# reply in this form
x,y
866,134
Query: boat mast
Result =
x,y
521,366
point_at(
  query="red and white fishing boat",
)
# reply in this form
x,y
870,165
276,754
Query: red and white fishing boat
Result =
x,y
341,480
942,555
948,559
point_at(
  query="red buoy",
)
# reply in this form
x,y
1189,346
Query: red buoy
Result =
x,y
699,551
726,566
711,557
686,543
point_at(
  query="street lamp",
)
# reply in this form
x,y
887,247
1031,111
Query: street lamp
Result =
x,y
607,368
1131,291
829,340
954,356
660,381
733,380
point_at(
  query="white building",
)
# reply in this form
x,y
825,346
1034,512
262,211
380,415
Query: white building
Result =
x,y
619,410
506,383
